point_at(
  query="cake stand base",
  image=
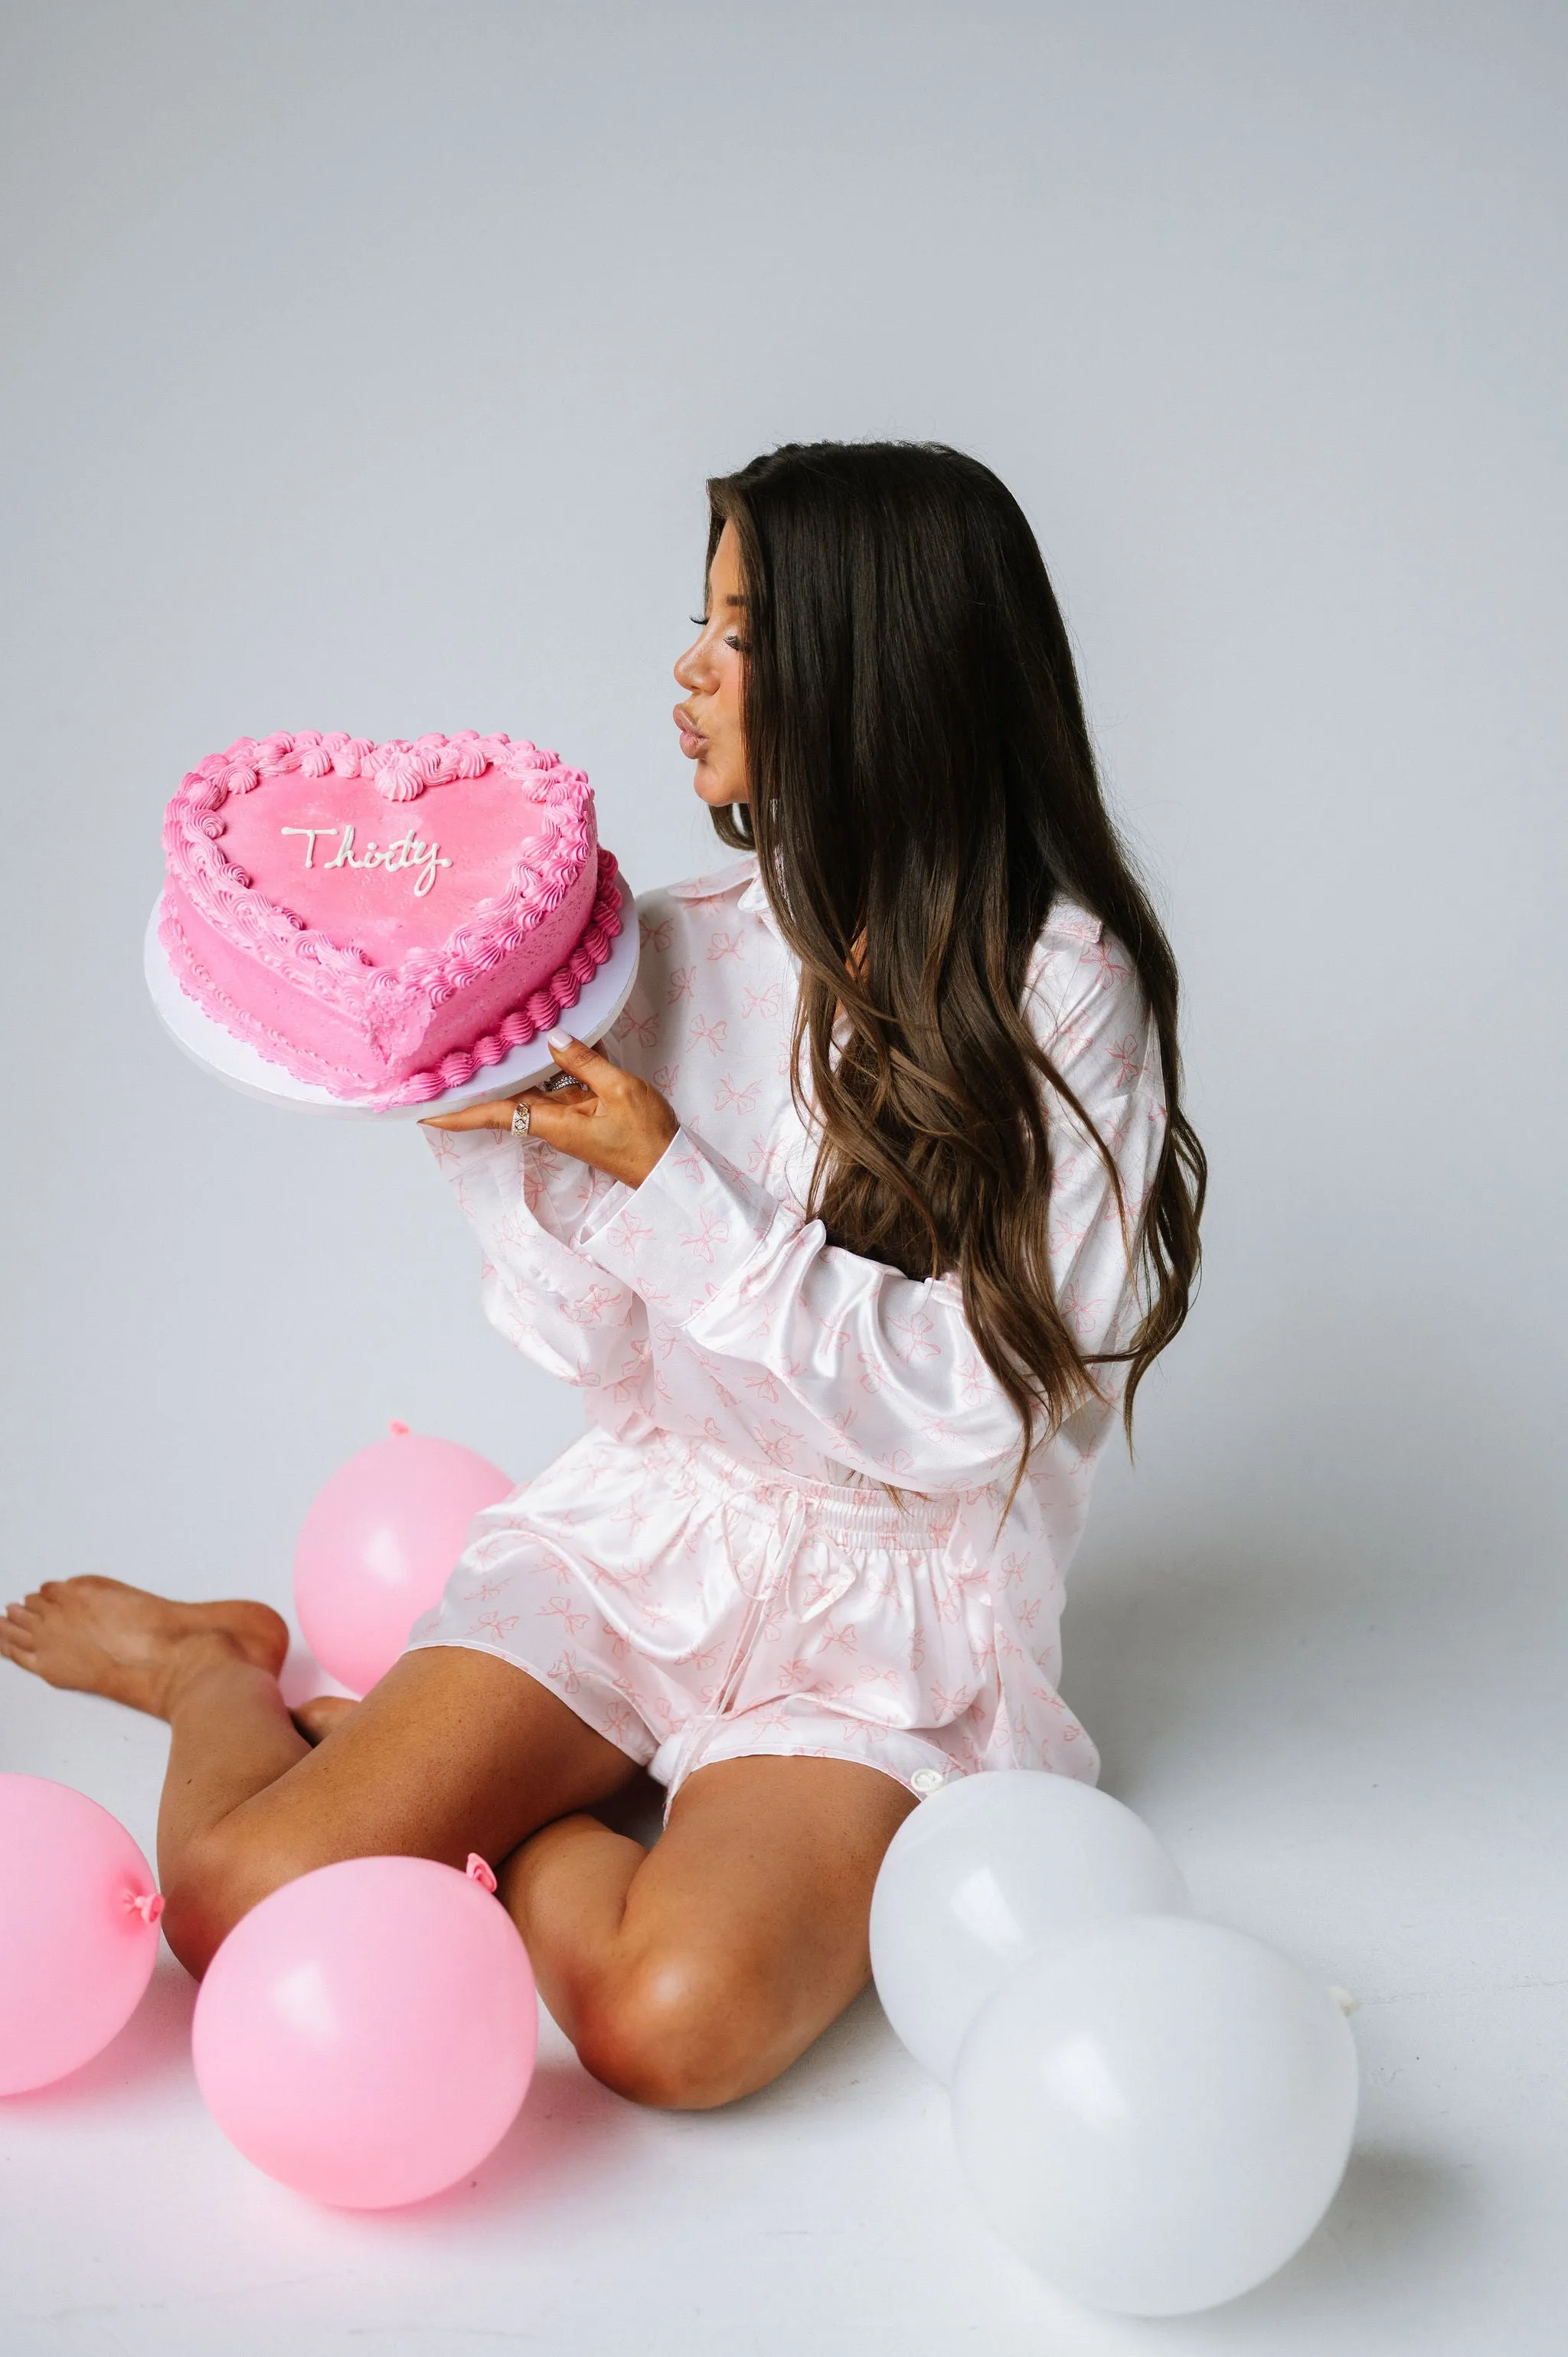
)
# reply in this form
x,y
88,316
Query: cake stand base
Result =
x,y
244,1068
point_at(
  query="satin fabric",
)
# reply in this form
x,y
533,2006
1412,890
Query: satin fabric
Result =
x,y
727,1351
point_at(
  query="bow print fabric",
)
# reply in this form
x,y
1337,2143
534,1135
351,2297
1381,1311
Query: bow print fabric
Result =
x,y
706,1306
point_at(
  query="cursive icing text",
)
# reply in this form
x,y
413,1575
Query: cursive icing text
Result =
x,y
407,852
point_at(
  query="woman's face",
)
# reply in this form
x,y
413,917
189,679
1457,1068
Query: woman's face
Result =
x,y
711,671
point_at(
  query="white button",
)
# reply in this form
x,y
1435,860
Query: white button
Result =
x,y
927,1780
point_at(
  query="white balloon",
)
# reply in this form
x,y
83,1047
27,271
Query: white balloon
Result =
x,y
981,1874
1156,2114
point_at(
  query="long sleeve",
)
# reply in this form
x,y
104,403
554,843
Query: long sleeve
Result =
x,y
850,1357
527,1208
843,1356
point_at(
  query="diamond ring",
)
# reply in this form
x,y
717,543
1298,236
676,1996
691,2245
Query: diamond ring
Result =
x,y
522,1114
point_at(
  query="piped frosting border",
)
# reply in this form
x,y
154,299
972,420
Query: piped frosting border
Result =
x,y
540,1011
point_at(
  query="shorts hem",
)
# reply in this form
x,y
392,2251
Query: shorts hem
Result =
x,y
855,1759
920,1777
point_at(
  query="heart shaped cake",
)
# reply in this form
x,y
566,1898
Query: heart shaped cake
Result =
x,y
385,919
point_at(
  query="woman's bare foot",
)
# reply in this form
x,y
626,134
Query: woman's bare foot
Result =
x,y
102,1637
321,1714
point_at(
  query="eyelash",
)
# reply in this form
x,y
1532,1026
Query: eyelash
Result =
x,y
702,622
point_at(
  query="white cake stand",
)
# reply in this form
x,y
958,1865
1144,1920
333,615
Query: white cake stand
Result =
x,y
246,1069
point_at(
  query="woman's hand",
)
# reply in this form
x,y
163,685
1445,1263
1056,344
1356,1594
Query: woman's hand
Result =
x,y
610,1119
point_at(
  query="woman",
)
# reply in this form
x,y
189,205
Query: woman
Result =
x,y
879,1200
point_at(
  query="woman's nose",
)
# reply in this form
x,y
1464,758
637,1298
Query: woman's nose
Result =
x,y
691,670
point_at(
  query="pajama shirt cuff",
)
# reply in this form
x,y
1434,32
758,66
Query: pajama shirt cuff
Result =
x,y
689,1232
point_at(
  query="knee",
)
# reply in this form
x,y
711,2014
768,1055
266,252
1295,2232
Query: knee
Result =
x,y
682,2030
222,1877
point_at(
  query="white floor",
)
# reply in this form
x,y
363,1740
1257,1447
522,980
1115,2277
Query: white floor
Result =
x,y
1393,1827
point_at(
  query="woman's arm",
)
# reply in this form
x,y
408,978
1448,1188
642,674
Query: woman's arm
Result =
x,y
856,1360
859,1363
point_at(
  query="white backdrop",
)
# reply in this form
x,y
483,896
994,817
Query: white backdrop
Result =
x,y
363,364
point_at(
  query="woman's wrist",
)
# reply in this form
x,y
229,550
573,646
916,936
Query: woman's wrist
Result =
x,y
657,1147
609,1119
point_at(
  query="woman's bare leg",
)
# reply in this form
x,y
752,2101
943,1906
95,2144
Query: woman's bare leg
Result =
x,y
453,1751
182,1663
698,1971
685,1975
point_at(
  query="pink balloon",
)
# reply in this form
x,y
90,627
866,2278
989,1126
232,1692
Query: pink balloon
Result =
x,y
367,2033
79,1917
377,1546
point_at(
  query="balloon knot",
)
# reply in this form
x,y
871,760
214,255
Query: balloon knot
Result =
x,y
479,1871
1345,2001
147,1904
398,1428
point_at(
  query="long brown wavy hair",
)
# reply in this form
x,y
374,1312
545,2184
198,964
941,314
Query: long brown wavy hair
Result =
x,y
922,789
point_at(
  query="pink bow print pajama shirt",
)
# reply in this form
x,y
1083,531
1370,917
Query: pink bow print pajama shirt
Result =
x,y
717,1567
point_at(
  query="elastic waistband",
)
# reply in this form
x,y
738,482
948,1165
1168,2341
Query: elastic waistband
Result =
x,y
860,1510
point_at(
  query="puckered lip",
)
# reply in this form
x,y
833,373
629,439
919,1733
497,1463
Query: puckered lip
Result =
x,y
692,737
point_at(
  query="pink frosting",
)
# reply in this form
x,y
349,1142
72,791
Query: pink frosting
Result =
x,y
385,919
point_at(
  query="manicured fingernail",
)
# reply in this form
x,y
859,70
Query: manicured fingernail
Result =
x,y
559,1040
